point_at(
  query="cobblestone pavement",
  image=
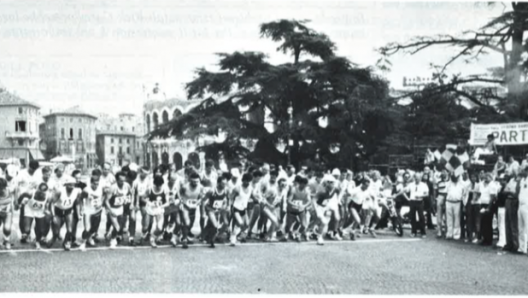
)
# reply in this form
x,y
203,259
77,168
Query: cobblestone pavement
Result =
x,y
386,265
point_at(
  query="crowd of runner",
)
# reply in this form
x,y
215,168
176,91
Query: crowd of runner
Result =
x,y
246,202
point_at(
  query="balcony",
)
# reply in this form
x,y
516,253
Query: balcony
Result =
x,y
21,135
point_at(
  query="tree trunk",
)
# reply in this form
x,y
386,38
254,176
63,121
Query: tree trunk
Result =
x,y
513,69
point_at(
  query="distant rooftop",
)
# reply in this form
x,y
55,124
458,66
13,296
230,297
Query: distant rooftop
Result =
x,y
171,102
10,99
73,111
116,133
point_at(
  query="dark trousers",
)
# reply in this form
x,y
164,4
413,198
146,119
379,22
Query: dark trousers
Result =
x,y
417,207
42,227
473,222
462,221
429,210
512,228
486,226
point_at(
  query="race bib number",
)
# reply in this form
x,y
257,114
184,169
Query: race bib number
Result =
x,y
37,205
119,201
297,203
96,202
192,203
67,203
218,204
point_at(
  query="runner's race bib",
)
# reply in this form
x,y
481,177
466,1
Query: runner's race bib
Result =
x,y
37,205
95,202
297,203
119,201
192,203
218,204
67,203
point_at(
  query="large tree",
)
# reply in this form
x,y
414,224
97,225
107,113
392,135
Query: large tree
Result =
x,y
297,98
504,36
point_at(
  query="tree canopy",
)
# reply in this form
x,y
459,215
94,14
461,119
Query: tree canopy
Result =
x,y
320,101
503,35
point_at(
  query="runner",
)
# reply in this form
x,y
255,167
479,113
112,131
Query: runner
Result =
x,y
240,197
215,202
7,193
36,204
118,196
358,197
298,201
191,195
62,211
92,209
254,206
27,181
156,201
324,209
139,190
172,221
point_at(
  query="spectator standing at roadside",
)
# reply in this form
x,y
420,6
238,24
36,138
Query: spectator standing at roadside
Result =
x,y
512,168
488,194
511,207
455,194
523,214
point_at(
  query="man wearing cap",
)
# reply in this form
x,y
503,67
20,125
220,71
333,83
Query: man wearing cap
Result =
x,y
27,181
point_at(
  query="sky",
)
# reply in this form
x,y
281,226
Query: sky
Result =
x,y
98,54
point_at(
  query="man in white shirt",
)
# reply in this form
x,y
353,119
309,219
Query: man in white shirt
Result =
x,y
456,190
522,192
488,193
419,191
524,164
512,169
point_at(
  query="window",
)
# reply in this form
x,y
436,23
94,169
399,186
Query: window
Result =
x,y
128,141
112,140
155,120
137,160
71,120
20,111
165,117
128,150
20,126
20,142
112,150
148,123
80,120
120,150
122,128
80,133
120,141
71,133
62,133
133,128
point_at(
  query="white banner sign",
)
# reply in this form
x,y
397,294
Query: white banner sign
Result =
x,y
505,133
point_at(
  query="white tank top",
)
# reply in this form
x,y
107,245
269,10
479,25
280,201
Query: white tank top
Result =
x,y
190,197
37,207
242,198
94,201
65,202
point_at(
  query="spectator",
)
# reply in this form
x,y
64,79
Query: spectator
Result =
x,y
488,195
490,144
511,208
523,215
512,168
428,202
524,164
465,206
419,192
440,203
504,187
500,166
455,194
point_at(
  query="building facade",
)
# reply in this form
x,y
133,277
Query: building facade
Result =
x,y
127,129
71,133
158,110
19,137
117,148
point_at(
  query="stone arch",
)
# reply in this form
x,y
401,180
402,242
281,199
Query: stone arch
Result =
x,y
177,159
165,158
148,122
155,160
176,113
194,157
155,120
165,116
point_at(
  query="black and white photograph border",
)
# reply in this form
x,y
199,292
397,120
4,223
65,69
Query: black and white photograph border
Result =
x,y
263,147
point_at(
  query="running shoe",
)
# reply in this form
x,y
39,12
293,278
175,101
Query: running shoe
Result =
x,y
185,244
37,245
113,243
153,242
320,240
67,246
174,241
91,242
372,233
82,247
8,246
